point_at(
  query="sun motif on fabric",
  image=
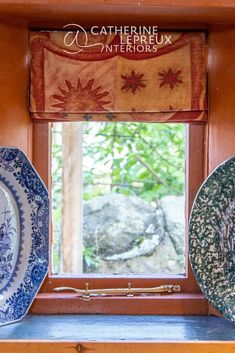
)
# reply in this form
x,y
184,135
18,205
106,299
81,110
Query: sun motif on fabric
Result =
x,y
133,82
170,77
81,98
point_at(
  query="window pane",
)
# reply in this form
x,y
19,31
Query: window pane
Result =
x,y
118,198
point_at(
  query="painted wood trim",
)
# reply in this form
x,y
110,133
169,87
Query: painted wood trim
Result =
x,y
171,305
114,347
56,13
175,304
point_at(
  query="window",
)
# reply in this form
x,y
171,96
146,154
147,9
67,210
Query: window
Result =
x,y
118,198
46,137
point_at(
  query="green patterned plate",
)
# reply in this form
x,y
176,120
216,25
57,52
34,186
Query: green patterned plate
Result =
x,y
212,238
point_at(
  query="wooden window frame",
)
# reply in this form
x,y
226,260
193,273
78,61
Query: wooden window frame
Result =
x,y
189,301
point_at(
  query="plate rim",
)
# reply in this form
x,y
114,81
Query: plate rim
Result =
x,y
25,161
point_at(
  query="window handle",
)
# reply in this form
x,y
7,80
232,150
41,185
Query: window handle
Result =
x,y
129,291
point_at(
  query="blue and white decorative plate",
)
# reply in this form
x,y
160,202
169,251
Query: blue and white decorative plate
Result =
x,y
212,238
24,234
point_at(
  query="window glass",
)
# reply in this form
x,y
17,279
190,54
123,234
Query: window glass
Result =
x,y
118,192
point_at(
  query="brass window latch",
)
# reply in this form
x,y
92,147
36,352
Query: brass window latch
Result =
x,y
129,291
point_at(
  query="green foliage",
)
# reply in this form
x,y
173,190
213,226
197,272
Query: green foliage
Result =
x,y
140,159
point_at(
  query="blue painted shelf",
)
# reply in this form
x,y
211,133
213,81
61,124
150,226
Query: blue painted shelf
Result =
x,y
119,328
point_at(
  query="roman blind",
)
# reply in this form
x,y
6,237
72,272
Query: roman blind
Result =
x,y
112,77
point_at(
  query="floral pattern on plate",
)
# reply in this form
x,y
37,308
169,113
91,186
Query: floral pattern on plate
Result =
x,y
24,234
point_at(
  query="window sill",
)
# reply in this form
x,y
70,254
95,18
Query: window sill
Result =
x,y
103,328
118,334
70,303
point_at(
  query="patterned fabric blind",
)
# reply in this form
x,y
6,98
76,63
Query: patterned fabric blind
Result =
x,y
115,80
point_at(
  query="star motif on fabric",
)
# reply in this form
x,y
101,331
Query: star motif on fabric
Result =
x,y
133,82
81,97
170,77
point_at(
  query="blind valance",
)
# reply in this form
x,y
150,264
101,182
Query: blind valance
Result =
x,y
111,79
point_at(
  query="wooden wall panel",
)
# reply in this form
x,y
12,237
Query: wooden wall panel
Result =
x,y
15,123
221,90
221,72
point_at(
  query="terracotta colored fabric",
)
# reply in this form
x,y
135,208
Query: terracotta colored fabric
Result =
x,y
119,83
